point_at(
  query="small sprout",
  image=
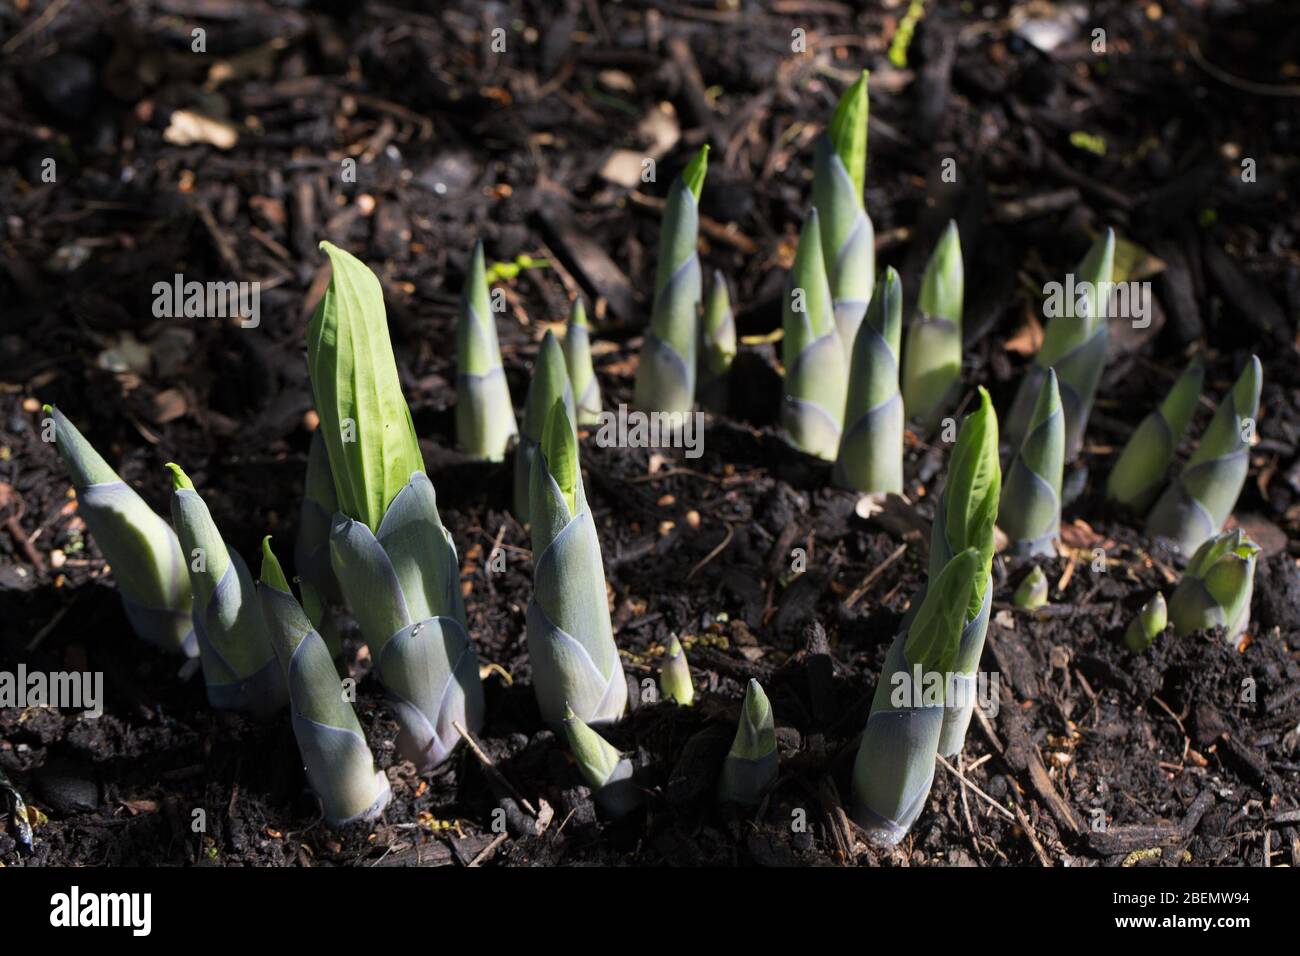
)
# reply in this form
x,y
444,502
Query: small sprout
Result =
x,y
1030,511
1148,625
665,380
394,561
1139,472
750,766
1196,504
1074,344
145,554
815,359
570,637
1216,588
485,417
340,767
239,665
607,772
870,458
932,358
675,675
1032,592
550,382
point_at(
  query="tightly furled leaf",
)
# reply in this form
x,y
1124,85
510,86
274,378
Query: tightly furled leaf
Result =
x,y
1148,625
1074,344
485,416
577,359
1140,470
1216,588
1196,504
340,767
665,379
717,347
403,586
607,772
570,637
675,675
847,236
320,589
870,458
932,360
1030,511
140,546
369,435
816,365
894,768
239,665
550,382
750,766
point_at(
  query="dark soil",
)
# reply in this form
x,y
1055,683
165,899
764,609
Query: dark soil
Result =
x,y
1189,754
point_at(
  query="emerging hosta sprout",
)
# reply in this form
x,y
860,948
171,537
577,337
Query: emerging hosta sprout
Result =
x,y
550,382
816,364
239,665
1137,475
848,238
1032,592
394,561
1074,344
311,555
339,765
932,360
369,436
139,545
665,380
577,359
607,772
570,638
750,767
870,458
1198,502
1148,625
1215,589
895,764
717,346
1030,512
965,518
485,417
675,674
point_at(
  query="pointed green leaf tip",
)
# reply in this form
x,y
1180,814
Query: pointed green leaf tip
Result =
x,y
560,447
272,573
179,478
597,758
935,635
578,313
756,732
848,131
48,409
943,282
693,174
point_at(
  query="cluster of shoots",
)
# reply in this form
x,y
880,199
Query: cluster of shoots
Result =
x,y
371,540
